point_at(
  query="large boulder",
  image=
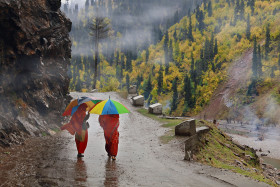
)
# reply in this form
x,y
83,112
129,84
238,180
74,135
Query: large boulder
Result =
x,y
132,89
155,108
186,128
138,100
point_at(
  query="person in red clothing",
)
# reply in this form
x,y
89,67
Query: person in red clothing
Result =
x,y
110,124
78,126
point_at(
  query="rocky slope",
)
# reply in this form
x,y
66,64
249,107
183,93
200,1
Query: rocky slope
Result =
x,y
35,49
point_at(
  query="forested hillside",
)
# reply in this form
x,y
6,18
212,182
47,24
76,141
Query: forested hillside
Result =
x,y
187,62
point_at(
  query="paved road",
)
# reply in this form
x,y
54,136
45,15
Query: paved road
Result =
x,y
142,159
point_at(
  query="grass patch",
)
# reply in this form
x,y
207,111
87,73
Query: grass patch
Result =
x,y
217,150
44,134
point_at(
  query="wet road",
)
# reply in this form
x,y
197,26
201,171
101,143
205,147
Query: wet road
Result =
x,y
142,160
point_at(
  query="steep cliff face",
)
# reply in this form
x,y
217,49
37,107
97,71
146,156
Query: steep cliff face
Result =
x,y
35,51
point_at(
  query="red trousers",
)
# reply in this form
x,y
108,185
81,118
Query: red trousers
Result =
x,y
112,143
81,146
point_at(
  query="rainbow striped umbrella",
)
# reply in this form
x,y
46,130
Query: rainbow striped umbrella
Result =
x,y
108,107
74,105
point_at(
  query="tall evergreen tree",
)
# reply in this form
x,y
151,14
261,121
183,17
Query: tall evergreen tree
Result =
x,y
99,30
236,11
211,47
248,29
259,64
190,34
216,50
170,50
200,19
210,11
187,91
160,81
267,41
166,55
147,88
192,71
127,82
255,61
175,94
128,65
242,10
147,55
251,3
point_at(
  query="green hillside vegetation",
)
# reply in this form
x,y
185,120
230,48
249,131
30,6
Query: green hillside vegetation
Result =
x,y
183,70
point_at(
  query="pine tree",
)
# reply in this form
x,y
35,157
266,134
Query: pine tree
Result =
x,y
99,30
200,19
147,88
251,3
160,81
248,29
166,55
176,17
242,10
279,60
188,91
211,47
127,82
170,50
147,55
210,11
259,64
177,53
216,50
190,34
192,71
175,94
128,65
267,41
255,61
175,35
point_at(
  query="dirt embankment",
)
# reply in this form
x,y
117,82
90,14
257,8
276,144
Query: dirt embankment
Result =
x,y
237,78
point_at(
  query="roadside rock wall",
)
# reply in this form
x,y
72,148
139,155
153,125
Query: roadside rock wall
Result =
x,y
35,52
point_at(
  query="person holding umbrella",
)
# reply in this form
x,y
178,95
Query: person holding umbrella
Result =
x,y
78,127
110,124
78,124
109,111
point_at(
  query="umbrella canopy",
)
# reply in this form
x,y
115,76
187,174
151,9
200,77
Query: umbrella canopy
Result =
x,y
74,105
108,107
